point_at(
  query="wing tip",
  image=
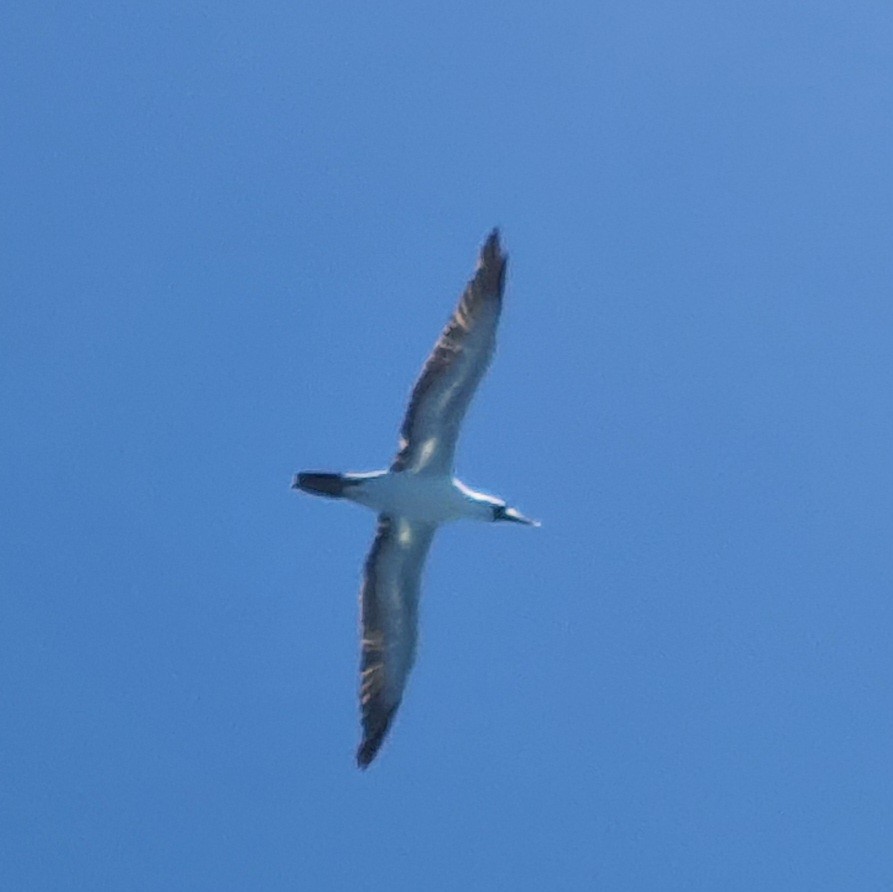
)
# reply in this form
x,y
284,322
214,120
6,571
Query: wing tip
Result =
x,y
490,272
371,743
366,753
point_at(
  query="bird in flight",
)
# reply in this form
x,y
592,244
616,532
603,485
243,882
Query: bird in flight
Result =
x,y
417,494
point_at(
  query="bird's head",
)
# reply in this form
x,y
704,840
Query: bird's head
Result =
x,y
503,512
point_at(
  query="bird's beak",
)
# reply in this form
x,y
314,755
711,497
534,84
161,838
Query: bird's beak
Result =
x,y
518,517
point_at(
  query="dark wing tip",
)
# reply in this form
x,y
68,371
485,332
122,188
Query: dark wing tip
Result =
x,y
373,738
490,273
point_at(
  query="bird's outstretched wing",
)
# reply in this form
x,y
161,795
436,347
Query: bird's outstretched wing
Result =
x,y
389,615
454,369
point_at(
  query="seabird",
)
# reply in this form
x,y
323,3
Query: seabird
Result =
x,y
417,494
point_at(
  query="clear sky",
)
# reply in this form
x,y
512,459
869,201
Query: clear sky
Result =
x,y
232,232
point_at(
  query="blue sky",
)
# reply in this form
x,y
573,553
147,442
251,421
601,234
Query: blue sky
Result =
x,y
231,234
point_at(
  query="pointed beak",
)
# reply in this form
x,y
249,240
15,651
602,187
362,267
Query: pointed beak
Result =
x,y
518,517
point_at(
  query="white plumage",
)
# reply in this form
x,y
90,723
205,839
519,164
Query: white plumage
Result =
x,y
417,493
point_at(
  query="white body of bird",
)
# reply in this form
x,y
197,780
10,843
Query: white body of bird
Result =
x,y
417,494
427,498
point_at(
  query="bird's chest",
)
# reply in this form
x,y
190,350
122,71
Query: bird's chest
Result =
x,y
417,497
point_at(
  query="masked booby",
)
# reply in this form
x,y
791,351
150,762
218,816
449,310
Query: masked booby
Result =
x,y
417,493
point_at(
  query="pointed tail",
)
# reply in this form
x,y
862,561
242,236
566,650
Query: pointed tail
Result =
x,y
323,483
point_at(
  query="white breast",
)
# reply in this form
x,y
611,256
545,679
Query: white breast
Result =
x,y
421,497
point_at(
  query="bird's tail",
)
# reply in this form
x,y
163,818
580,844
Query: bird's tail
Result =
x,y
325,483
